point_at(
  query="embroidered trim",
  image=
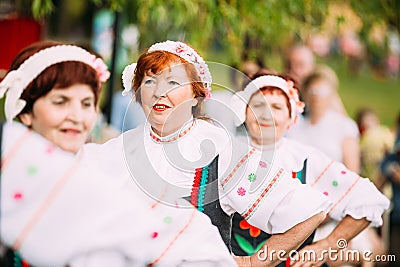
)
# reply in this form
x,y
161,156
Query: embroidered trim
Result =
x,y
345,194
199,188
15,147
173,240
172,139
202,189
248,213
195,187
322,173
46,203
238,165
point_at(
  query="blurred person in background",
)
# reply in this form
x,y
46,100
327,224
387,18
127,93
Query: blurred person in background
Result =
x,y
390,168
323,126
376,141
300,62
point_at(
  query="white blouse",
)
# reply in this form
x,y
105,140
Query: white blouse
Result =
x,y
350,194
59,209
264,193
327,134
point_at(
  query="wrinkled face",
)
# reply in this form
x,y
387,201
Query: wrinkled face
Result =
x,y
167,99
65,116
318,95
267,117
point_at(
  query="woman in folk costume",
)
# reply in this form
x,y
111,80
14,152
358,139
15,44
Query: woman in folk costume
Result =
x,y
177,154
268,107
61,210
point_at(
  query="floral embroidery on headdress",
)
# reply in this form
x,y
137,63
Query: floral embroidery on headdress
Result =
x,y
183,51
240,100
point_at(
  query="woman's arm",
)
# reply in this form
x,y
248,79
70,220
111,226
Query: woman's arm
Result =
x,y
351,154
345,231
277,247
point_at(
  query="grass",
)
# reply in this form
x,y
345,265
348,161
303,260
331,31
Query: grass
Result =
x,y
368,90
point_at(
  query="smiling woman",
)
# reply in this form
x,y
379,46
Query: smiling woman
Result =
x,y
60,100
53,89
178,154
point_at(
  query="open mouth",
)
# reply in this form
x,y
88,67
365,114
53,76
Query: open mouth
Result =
x,y
160,107
71,132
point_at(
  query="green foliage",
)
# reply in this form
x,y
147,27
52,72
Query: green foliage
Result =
x,y
40,8
269,23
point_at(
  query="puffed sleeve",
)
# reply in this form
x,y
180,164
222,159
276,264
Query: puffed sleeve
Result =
x,y
350,194
264,194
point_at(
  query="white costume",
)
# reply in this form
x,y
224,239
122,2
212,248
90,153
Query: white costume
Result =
x,y
264,194
58,209
351,194
327,135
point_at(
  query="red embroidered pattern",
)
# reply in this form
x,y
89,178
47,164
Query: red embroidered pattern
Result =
x,y
153,263
176,137
195,187
51,196
226,180
345,194
322,173
263,194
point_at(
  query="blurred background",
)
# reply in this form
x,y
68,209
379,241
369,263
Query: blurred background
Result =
x,y
359,40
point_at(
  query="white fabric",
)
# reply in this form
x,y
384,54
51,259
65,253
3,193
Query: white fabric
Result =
x,y
95,218
286,204
327,135
362,200
17,80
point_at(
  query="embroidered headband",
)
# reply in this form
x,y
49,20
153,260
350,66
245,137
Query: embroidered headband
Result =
x,y
17,80
183,51
240,100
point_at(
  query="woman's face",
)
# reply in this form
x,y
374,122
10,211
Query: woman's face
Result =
x,y
65,116
267,124
318,95
167,99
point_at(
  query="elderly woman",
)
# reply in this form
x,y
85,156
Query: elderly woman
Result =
x,y
58,209
268,106
179,154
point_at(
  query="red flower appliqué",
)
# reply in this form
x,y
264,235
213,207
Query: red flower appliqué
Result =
x,y
254,231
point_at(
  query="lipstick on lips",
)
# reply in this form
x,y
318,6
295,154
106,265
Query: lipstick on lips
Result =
x,y
265,124
160,107
71,131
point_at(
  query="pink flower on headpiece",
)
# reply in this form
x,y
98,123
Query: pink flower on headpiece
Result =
x,y
300,107
201,70
294,96
101,69
192,57
208,93
180,48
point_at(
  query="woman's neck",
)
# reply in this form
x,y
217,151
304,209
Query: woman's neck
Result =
x,y
172,135
263,142
164,130
316,115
